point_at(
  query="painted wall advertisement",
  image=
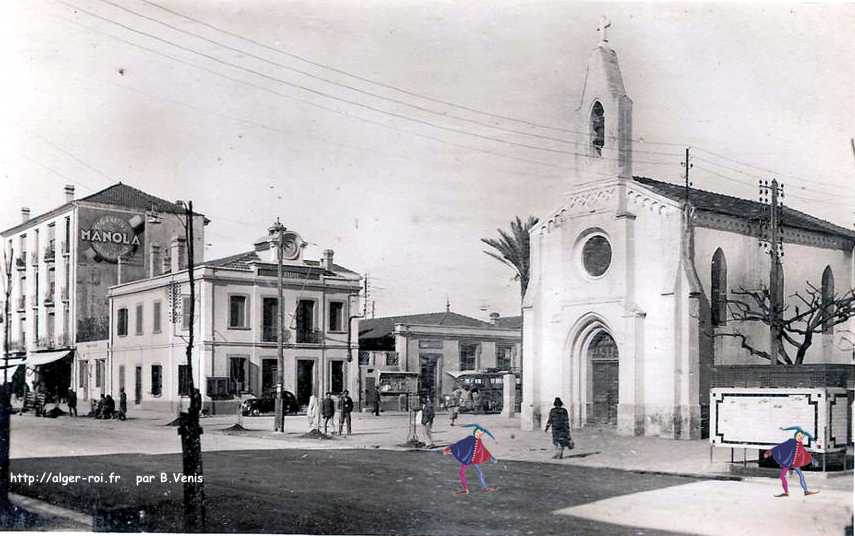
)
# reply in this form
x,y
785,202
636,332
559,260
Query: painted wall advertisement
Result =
x,y
104,238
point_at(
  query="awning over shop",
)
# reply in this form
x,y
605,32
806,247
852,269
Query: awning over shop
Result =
x,y
43,358
12,363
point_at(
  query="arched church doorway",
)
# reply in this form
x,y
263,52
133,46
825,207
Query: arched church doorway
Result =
x,y
603,357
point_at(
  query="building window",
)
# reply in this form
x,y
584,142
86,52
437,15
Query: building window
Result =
x,y
67,243
269,319
138,321
336,320
597,255
237,375
306,322
718,289
122,322
237,312
598,128
185,312
183,380
99,373
469,355
827,300
504,356
156,380
51,329
156,318
83,374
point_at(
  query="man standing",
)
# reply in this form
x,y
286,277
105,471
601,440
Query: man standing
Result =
x,y
123,404
72,403
346,409
327,410
427,421
377,401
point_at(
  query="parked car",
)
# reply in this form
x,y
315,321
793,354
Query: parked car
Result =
x,y
266,403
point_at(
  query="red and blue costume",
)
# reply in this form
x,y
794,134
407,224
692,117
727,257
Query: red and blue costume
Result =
x,y
791,455
471,451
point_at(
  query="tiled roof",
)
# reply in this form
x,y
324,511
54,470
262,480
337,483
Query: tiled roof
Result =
x,y
509,322
743,208
128,196
382,327
241,261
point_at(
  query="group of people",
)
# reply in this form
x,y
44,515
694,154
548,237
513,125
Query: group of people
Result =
x,y
464,399
105,407
326,409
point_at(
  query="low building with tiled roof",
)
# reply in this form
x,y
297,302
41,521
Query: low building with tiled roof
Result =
x,y
65,260
629,313
437,346
236,328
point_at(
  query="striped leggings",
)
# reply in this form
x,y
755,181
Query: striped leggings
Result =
x,y
783,478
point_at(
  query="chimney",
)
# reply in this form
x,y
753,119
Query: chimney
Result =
x,y
69,193
494,317
25,214
328,259
178,254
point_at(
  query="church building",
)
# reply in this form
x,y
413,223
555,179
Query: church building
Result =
x,y
625,316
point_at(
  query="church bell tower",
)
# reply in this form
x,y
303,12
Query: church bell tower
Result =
x,y
603,117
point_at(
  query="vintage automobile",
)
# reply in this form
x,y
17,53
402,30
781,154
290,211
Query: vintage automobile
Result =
x,y
266,403
489,386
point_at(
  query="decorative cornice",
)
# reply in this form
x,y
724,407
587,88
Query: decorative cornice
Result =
x,y
734,224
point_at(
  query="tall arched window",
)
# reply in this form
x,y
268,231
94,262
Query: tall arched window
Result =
x,y
827,299
598,128
718,290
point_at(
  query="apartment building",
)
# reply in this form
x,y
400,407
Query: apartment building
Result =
x,y
62,264
235,351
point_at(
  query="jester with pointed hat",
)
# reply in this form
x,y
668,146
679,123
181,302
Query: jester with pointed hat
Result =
x,y
471,451
791,455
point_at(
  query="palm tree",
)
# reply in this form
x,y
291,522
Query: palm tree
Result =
x,y
512,249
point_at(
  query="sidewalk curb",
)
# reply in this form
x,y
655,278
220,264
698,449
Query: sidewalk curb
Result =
x,y
41,507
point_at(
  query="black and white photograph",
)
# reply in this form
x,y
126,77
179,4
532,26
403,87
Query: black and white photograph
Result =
x,y
427,268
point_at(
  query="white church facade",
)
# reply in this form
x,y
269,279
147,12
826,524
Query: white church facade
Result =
x,y
624,316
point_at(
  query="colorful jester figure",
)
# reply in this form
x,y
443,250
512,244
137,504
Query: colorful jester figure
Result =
x,y
471,451
791,455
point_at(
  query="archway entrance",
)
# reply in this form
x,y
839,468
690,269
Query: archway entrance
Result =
x,y
603,356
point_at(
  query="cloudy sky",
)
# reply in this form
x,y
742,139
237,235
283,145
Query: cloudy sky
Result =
x,y
400,133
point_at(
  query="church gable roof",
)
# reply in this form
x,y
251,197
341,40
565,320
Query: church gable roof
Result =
x,y
743,208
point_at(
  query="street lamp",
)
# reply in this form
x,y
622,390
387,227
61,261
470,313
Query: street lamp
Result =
x,y
277,233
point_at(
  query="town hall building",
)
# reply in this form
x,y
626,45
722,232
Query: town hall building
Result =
x,y
625,316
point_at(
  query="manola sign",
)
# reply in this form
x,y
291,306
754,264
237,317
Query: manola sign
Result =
x,y
111,237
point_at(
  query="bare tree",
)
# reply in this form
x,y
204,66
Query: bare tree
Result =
x,y
812,315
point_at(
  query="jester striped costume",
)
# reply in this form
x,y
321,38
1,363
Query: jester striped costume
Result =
x,y
471,451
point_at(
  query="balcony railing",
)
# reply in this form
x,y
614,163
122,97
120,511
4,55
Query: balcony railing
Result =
x,y
21,261
377,358
50,253
45,343
18,346
309,336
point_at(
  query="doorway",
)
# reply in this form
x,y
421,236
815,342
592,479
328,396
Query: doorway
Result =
x,y
603,355
137,385
305,380
427,375
269,375
336,377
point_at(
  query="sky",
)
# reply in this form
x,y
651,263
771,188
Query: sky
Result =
x,y
399,133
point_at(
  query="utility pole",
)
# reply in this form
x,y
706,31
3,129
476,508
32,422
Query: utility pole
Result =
x,y
365,300
687,164
372,308
188,428
6,390
277,232
772,191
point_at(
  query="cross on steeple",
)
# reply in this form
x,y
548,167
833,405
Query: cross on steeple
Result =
x,y
604,25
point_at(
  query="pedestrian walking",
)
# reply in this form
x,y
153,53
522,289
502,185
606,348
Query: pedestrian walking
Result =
x,y
467,398
476,401
109,407
427,421
72,402
454,405
328,410
123,405
471,451
377,401
791,456
313,413
559,420
346,410
99,408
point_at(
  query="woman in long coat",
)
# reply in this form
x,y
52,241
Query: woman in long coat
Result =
x,y
559,420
